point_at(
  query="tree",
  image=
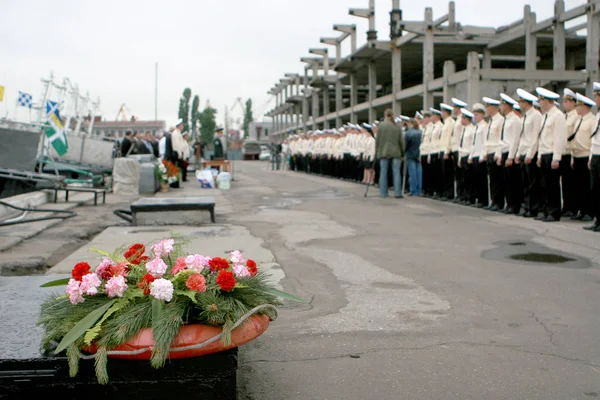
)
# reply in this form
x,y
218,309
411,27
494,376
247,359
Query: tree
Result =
x,y
195,115
208,123
184,108
248,116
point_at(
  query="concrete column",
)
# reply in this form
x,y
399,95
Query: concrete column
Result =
x,y
428,59
315,109
339,103
529,20
372,90
326,106
559,37
353,97
449,90
473,77
592,47
486,62
305,102
395,17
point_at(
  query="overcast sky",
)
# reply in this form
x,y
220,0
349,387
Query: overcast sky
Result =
x,y
221,49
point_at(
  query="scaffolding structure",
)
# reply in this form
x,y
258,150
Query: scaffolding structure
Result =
x,y
430,61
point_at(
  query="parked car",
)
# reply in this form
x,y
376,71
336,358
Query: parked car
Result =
x,y
265,153
251,150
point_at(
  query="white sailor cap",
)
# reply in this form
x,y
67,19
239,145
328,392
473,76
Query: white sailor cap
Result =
x,y
375,123
546,94
367,126
536,104
569,94
517,107
466,113
556,103
581,99
596,87
478,107
317,132
490,102
397,120
433,110
341,130
458,103
446,107
526,96
418,115
507,99
179,122
404,118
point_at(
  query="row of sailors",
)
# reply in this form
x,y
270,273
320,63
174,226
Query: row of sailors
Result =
x,y
532,158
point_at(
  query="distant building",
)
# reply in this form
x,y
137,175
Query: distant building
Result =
x,y
260,131
116,129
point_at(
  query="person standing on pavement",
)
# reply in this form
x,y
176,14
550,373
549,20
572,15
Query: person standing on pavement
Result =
x,y
458,105
468,194
478,155
594,164
435,155
389,146
567,179
495,172
428,187
414,136
508,146
551,146
579,143
446,153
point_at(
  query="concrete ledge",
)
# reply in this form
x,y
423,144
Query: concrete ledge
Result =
x,y
26,200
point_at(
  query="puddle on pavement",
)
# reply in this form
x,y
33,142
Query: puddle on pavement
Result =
x,y
542,258
528,253
149,230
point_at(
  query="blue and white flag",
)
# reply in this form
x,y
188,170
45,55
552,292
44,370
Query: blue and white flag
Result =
x,y
25,99
56,131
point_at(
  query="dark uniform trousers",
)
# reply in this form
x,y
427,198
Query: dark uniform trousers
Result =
x,y
448,172
551,187
468,189
513,185
595,179
459,175
427,183
567,181
481,182
582,186
496,182
532,186
436,173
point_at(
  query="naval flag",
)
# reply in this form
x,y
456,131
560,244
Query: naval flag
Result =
x,y
1,93
56,131
25,99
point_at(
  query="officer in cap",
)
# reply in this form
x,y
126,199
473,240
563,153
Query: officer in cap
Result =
x,y
219,153
493,134
579,143
446,153
566,172
426,150
508,146
594,163
457,106
528,145
436,154
467,194
478,155
552,142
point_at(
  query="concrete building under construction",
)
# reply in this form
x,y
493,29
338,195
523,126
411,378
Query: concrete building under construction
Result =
x,y
430,61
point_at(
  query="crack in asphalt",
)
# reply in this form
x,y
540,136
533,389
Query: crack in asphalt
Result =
x,y
549,332
516,348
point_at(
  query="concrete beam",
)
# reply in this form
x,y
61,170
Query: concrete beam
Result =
x,y
535,75
349,30
412,36
529,19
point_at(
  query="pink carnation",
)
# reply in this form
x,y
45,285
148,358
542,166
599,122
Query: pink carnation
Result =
x,y
116,286
156,267
236,257
241,271
103,270
162,289
196,262
90,283
74,291
164,247
179,266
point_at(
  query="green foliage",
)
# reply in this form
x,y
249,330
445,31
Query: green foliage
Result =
x,y
248,115
164,329
58,282
100,364
208,124
92,333
195,115
184,108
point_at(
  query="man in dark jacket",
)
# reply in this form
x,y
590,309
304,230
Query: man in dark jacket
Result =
x,y
127,143
389,148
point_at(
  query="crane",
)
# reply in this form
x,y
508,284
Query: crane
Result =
x,y
123,113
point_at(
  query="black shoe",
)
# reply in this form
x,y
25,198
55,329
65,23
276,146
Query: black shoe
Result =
x,y
399,197
577,217
593,228
457,201
479,205
495,208
586,218
540,218
568,214
510,211
435,197
550,218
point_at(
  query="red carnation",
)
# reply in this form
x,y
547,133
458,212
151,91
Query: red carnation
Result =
x,y
226,280
80,270
120,268
180,265
252,268
145,283
135,254
218,263
197,283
